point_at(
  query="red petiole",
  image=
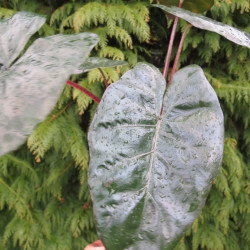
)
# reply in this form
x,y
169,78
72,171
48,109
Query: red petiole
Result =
x,y
104,78
179,52
85,91
170,45
166,68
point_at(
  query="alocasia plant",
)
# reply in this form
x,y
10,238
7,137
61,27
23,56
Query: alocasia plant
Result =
x,y
151,171
30,87
97,62
155,152
202,22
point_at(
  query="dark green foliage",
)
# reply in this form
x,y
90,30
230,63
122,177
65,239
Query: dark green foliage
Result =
x,y
224,220
150,172
48,199
50,187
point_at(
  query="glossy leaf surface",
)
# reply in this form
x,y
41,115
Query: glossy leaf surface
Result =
x,y
150,174
197,6
30,88
15,33
99,62
202,22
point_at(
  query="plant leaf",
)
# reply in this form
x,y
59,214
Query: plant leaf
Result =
x,y
197,6
150,174
202,22
31,87
15,33
99,62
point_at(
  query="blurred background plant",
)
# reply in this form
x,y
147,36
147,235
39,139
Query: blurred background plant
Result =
x,y
44,197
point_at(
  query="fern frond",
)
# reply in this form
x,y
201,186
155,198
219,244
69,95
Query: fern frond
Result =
x,y
6,13
121,35
22,166
58,16
94,12
208,238
222,184
212,39
111,52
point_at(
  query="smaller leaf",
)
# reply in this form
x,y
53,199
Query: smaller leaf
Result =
x,y
30,87
202,22
15,33
197,6
99,62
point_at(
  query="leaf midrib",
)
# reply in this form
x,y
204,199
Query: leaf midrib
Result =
x,y
153,150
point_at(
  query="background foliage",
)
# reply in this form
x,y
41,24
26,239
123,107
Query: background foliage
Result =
x,y
44,197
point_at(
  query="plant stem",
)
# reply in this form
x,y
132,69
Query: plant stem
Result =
x,y
170,45
104,78
179,52
54,116
4,4
85,91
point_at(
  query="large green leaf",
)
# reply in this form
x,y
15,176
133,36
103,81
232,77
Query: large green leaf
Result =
x,y
99,62
197,6
149,173
202,22
30,88
15,32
